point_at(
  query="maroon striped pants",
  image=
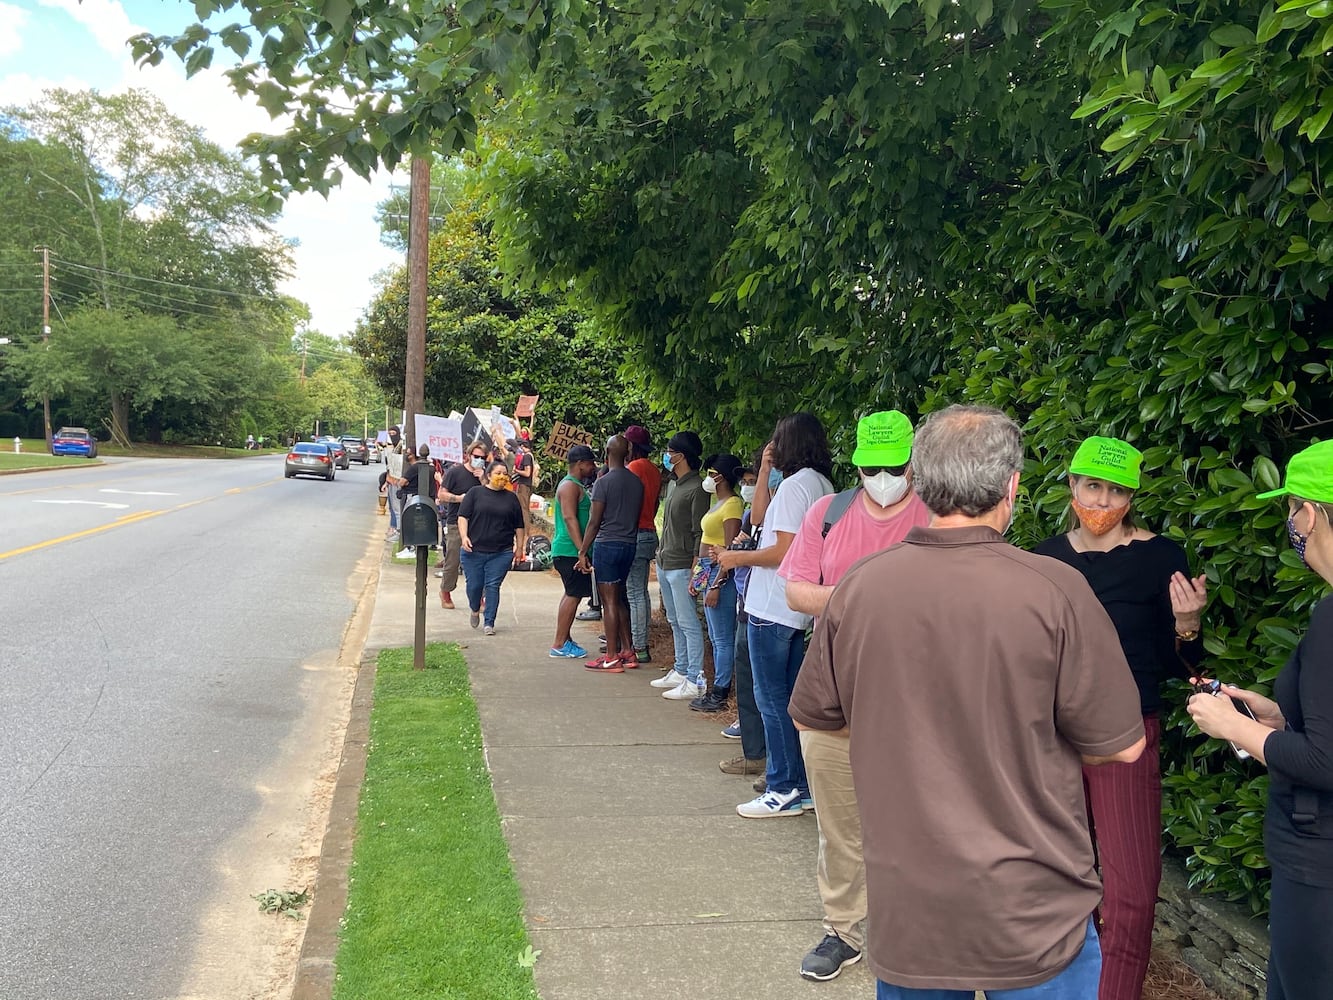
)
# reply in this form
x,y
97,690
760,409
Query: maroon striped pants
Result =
x,y
1125,810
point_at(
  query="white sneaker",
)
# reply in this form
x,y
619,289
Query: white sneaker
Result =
x,y
684,691
772,804
670,679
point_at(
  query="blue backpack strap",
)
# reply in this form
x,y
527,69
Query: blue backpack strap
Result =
x,y
840,505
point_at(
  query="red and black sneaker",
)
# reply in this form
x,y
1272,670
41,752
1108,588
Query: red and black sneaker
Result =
x,y
605,665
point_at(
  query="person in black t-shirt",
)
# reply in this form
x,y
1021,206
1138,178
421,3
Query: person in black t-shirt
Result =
x,y
1292,735
412,473
492,535
523,476
611,538
1143,582
459,478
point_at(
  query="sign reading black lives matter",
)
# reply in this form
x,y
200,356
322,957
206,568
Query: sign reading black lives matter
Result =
x,y
565,436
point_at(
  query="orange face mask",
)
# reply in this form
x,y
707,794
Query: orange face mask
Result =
x,y
500,481
1098,520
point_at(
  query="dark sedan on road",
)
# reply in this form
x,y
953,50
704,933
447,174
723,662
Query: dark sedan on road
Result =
x,y
340,458
310,458
357,451
73,441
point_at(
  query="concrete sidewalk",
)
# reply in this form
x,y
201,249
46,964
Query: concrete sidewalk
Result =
x,y
640,880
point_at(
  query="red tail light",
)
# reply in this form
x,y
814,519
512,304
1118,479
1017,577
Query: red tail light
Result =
x,y
325,458
292,456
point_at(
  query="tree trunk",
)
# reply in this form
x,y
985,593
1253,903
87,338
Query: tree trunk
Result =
x,y
120,419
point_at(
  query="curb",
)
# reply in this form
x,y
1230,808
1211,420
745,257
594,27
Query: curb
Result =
x,y
92,463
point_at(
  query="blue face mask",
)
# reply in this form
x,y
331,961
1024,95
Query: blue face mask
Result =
x,y
774,478
1298,541
666,461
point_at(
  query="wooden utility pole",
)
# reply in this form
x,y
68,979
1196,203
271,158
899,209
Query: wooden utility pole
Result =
x,y
418,246
414,383
46,334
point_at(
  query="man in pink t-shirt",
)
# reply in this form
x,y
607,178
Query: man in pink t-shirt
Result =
x,y
882,510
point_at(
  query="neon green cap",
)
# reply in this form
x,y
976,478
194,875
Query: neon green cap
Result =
x,y
1309,475
1111,459
883,438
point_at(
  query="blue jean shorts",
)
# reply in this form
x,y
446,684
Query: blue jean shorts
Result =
x,y
611,561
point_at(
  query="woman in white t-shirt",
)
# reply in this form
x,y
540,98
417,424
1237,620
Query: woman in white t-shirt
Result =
x,y
776,633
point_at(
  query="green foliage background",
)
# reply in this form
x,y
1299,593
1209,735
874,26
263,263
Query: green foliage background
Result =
x,y
488,342
1103,217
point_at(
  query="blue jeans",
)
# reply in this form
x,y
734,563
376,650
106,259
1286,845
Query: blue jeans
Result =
x,y
776,653
636,588
686,632
1076,981
722,627
485,571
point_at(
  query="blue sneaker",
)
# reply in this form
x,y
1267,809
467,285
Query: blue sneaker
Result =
x,y
569,651
733,731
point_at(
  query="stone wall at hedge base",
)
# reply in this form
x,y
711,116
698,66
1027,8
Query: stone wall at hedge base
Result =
x,y
1220,941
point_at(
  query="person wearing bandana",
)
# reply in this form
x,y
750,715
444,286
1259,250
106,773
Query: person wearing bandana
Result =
x,y
1143,582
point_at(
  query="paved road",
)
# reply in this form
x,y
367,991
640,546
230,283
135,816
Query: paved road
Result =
x,y
158,623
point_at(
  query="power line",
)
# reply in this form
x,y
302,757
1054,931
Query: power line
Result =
x,y
163,281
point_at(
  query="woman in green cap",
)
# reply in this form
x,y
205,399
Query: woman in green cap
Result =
x,y
1143,582
1293,737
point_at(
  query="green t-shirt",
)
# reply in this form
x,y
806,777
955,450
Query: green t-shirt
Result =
x,y
562,544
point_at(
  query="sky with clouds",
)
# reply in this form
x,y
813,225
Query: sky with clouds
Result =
x,y
65,43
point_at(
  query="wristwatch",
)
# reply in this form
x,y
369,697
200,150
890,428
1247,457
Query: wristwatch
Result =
x,y
1187,635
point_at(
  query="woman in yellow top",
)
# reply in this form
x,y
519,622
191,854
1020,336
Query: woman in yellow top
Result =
x,y
720,525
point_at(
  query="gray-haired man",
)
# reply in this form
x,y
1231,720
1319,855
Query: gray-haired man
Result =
x,y
975,680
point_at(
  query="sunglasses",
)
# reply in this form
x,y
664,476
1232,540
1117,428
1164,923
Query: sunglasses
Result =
x,y
893,470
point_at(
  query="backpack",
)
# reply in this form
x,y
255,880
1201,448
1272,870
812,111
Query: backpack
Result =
x,y
538,554
840,505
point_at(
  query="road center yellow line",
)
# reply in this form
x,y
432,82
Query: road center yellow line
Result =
x,y
123,520
118,523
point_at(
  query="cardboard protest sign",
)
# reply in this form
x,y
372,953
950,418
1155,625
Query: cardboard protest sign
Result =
x,y
565,436
527,406
442,435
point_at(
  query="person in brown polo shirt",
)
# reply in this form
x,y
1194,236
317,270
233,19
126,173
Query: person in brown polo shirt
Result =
x,y
974,681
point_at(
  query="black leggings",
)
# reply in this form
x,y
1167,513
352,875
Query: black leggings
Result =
x,y
1300,965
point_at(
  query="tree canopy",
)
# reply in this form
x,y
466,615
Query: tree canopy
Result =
x,y
165,315
1103,219
487,343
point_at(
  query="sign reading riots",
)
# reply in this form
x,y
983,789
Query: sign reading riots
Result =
x,y
565,436
443,434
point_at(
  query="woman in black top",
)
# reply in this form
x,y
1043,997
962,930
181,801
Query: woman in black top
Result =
x,y
1143,582
491,534
1293,737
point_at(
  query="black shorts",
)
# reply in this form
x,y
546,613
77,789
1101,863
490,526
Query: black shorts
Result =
x,y
576,584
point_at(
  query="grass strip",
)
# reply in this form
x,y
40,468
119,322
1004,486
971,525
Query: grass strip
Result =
x,y
433,910
10,462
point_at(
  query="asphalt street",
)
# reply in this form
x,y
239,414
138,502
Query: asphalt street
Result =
x,y
158,620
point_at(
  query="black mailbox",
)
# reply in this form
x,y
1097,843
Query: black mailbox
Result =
x,y
419,523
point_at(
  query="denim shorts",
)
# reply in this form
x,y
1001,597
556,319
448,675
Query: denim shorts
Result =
x,y
611,561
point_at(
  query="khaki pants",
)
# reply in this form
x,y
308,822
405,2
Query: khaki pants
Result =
x,y
524,494
842,869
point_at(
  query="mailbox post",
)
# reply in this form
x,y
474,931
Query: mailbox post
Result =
x,y
420,528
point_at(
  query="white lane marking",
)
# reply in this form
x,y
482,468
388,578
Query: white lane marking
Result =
x,y
140,493
90,503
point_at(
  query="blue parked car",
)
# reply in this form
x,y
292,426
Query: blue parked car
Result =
x,y
74,441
